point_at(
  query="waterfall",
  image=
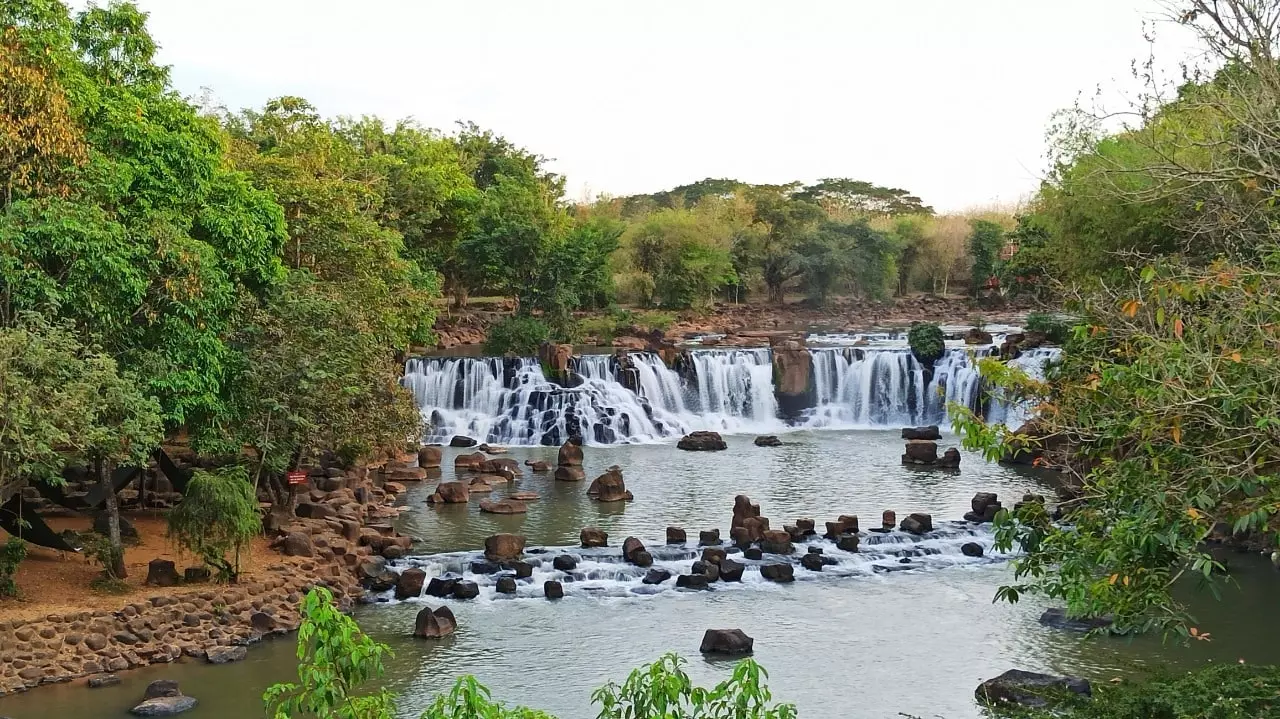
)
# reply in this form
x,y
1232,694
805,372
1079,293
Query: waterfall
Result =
x,y
509,400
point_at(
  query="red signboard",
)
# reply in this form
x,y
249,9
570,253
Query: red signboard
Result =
x,y
296,477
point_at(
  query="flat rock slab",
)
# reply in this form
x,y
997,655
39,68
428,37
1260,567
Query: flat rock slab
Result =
x,y
164,706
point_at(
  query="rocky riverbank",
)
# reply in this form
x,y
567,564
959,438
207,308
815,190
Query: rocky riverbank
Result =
x,y
342,519
748,324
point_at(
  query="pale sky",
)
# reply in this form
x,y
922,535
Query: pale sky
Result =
x,y
947,98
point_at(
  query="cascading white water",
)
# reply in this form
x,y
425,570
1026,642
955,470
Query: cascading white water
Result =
x,y
1033,363
510,401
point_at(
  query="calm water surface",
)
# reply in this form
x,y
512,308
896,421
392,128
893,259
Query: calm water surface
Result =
x,y
872,645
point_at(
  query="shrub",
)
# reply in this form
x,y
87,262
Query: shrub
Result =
x,y
1226,691
218,514
1051,326
517,334
12,553
662,689
926,341
334,659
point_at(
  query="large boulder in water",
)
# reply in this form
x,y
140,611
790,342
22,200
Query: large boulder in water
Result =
x,y
709,537
930,433
917,523
503,547
163,698
568,473
676,535
743,509
538,465
950,459
702,441
410,583
592,537
775,542
451,493
731,571
630,547
610,487
920,452
985,505
473,462
429,457
778,572
462,441
502,466
570,455
1028,689
768,440
434,623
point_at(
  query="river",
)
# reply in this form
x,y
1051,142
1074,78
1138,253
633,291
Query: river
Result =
x,y
867,644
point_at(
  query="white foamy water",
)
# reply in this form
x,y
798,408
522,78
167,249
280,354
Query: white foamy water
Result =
x,y
509,401
601,571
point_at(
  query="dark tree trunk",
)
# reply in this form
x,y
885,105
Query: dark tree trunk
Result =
x,y
116,569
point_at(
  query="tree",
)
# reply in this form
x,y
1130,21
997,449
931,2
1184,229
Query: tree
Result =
x,y
662,689
985,243
783,221
218,514
862,199
334,659
685,255
145,246
308,381
845,256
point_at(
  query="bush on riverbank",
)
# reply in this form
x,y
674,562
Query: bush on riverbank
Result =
x,y
336,658
1227,691
926,341
517,334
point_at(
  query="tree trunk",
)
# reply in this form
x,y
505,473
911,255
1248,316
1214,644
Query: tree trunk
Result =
x,y
117,569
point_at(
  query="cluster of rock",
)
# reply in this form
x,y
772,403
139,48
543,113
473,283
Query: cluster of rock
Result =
x,y
213,624
922,449
479,474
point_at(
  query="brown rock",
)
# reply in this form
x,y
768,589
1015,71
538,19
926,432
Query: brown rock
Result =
x,y
297,544
592,537
676,535
570,455
504,506
410,583
702,441
429,457
451,493
469,462
161,573
630,547
538,466
503,547
570,474
775,542
609,487
524,496
920,452
434,623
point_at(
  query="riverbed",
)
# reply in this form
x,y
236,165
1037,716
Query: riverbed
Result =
x,y
865,644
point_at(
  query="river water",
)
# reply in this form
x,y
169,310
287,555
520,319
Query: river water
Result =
x,y
866,644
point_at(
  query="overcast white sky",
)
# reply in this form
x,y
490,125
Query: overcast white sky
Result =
x,y
947,98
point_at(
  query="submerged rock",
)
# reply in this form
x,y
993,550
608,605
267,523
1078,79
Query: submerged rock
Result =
x,y
163,698
768,440
225,655
972,549
657,575
1028,689
727,641
1057,618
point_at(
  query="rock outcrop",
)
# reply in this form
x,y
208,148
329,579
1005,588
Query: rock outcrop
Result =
x,y
793,384
610,487
1028,688
434,623
503,547
702,441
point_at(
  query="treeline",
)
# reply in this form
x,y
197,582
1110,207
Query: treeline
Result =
x,y
721,239
1160,237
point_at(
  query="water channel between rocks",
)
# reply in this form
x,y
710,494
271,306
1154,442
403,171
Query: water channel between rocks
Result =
x,y
867,644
